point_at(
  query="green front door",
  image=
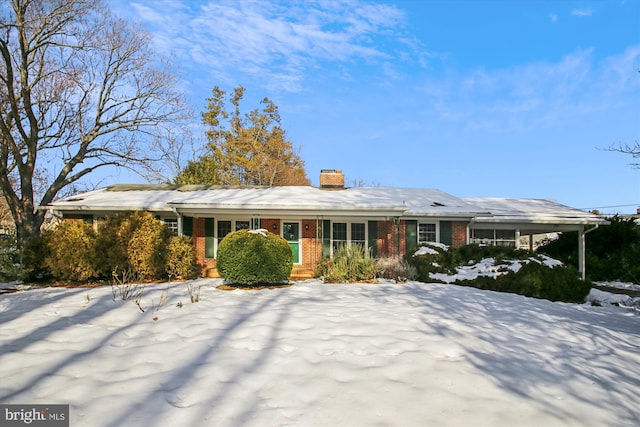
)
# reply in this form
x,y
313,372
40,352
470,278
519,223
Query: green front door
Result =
x,y
291,232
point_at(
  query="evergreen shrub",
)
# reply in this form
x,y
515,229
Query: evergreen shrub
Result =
x,y
349,264
9,259
134,242
181,260
32,258
431,259
534,279
612,251
147,247
559,283
254,257
71,253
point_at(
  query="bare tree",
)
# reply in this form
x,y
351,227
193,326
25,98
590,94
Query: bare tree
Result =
x,y
632,149
79,90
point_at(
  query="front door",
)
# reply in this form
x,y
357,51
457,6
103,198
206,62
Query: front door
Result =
x,y
291,232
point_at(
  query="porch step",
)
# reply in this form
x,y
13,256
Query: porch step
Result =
x,y
211,273
301,273
297,273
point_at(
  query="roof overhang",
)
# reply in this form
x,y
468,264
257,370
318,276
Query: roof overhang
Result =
x,y
540,224
299,210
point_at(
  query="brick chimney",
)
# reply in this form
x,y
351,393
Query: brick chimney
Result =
x,y
331,178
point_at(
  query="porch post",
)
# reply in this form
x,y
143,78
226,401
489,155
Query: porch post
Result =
x,y
581,252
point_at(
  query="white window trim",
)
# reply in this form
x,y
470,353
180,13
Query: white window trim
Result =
x,y
233,220
437,224
349,223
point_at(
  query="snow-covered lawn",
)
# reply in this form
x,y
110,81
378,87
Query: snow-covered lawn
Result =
x,y
311,354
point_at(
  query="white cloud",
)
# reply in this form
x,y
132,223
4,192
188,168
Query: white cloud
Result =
x,y
582,12
535,95
241,41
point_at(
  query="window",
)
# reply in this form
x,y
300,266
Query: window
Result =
x,y
172,225
426,233
224,228
339,235
187,226
255,223
344,233
358,234
494,237
505,238
242,225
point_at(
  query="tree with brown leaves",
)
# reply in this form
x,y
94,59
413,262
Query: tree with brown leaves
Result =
x,y
249,149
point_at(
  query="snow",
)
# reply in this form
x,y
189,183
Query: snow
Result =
x,y
320,355
426,250
376,201
598,296
485,267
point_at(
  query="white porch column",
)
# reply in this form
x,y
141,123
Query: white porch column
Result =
x,y
581,252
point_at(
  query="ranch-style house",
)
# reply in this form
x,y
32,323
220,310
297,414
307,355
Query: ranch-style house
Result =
x,y
317,220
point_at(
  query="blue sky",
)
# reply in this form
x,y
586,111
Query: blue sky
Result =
x,y
473,97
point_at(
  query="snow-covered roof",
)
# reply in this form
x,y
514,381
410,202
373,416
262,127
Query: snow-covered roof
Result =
x,y
301,200
530,210
354,201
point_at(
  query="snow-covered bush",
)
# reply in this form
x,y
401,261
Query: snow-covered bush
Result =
x,y
72,251
538,280
349,264
181,260
247,258
428,259
437,258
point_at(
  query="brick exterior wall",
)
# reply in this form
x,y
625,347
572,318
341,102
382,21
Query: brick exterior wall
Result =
x,y
311,243
311,250
458,234
198,242
388,239
269,223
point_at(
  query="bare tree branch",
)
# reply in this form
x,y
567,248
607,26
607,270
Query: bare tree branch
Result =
x,y
80,89
632,149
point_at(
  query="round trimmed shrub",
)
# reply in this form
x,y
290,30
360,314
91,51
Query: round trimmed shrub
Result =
x,y
251,257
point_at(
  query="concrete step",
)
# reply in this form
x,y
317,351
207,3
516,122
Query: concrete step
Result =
x,y
297,273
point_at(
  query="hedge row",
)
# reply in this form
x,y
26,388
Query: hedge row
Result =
x,y
135,243
534,279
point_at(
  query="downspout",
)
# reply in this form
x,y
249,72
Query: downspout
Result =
x,y
397,221
582,243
